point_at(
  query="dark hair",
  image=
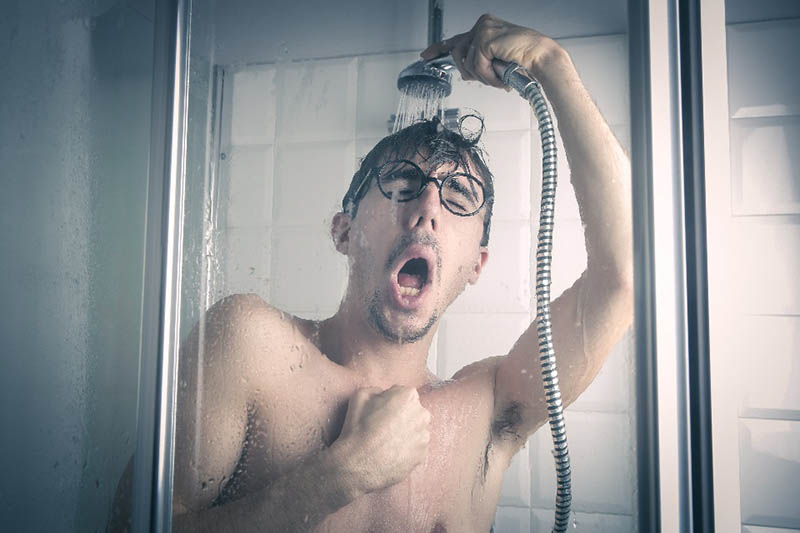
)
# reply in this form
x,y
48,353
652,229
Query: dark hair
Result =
x,y
441,146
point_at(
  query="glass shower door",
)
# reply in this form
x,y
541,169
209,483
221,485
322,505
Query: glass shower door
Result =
x,y
75,152
282,105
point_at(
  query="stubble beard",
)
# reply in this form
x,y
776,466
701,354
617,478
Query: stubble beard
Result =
x,y
397,334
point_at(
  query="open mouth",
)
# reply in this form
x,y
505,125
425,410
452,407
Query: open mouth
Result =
x,y
412,277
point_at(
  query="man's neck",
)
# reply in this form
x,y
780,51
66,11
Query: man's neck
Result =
x,y
352,342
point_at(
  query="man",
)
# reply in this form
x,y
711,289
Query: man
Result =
x,y
338,425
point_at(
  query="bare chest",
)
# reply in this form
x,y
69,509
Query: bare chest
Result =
x,y
454,489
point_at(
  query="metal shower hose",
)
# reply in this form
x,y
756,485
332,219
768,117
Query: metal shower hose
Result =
x,y
515,77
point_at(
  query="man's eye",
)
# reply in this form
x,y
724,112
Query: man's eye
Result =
x,y
401,193
400,176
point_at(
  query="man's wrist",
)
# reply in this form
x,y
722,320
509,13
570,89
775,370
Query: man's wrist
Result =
x,y
334,462
552,66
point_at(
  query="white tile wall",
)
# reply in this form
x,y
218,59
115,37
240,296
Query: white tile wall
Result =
x,y
603,66
770,472
318,101
246,261
764,265
512,519
377,91
250,95
310,180
516,491
601,456
767,350
765,165
247,172
501,110
309,275
363,147
509,159
504,282
495,334
760,84
756,296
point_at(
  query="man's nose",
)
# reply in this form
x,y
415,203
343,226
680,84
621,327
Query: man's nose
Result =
x,y
426,209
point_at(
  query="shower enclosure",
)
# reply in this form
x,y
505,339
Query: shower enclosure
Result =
x,y
159,156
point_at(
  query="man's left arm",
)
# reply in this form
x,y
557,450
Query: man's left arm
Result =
x,y
592,315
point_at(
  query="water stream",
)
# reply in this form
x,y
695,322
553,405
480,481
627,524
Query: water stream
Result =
x,y
418,101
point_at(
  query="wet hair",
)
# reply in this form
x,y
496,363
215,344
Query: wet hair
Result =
x,y
435,145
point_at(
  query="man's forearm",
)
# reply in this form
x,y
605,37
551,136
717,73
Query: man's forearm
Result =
x,y
297,501
599,167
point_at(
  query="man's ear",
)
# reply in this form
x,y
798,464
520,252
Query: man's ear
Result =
x,y
479,264
340,232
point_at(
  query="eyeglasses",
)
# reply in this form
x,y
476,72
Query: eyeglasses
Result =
x,y
402,181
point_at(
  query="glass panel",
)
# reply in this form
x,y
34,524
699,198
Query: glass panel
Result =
x,y
284,103
74,145
753,199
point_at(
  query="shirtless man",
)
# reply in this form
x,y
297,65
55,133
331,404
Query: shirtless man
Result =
x,y
338,425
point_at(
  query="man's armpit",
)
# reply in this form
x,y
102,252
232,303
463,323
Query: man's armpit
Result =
x,y
506,424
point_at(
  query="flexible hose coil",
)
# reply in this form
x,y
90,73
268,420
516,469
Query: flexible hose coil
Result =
x,y
515,77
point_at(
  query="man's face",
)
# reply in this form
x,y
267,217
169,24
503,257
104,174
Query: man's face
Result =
x,y
409,260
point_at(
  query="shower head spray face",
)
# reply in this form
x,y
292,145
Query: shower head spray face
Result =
x,y
435,74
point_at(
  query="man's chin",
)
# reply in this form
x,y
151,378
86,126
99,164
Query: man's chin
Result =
x,y
401,329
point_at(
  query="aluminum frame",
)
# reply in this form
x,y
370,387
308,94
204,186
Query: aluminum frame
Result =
x,y
662,316
647,474
698,361
153,463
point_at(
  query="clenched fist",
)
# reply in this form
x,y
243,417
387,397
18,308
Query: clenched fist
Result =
x,y
385,435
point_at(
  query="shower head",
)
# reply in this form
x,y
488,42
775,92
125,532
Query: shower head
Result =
x,y
435,74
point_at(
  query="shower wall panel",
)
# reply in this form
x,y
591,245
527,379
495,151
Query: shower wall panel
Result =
x,y
74,146
753,202
328,114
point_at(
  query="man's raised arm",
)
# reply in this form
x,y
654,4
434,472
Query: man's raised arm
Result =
x,y
592,315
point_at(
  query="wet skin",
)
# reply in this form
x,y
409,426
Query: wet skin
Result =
x,y
455,488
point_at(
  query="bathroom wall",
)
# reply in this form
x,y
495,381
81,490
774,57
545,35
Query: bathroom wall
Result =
x,y
291,137
74,145
753,201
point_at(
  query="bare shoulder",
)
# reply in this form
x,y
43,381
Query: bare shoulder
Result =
x,y
474,384
245,331
233,352
246,315
481,370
